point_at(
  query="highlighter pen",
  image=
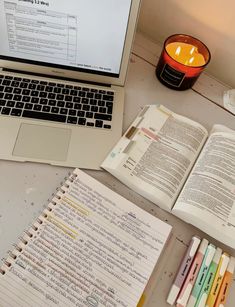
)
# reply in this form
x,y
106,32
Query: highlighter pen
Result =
x,y
183,270
192,275
210,251
201,301
226,283
223,263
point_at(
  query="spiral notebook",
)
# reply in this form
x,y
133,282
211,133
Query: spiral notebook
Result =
x,y
90,247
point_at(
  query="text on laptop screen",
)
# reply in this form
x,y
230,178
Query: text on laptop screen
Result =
x,y
83,35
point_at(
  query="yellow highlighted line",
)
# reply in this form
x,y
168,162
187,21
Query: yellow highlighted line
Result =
x,y
75,205
68,231
164,111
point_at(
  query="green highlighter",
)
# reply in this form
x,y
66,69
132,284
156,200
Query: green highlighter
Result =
x,y
210,252
201,301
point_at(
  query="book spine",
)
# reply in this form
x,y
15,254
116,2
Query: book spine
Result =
x,y
29,233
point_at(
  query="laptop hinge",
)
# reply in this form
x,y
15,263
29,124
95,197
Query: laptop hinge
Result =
x,y
54,77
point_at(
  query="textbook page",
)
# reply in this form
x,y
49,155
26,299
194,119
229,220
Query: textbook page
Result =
x,y
208,198
156,154
91,248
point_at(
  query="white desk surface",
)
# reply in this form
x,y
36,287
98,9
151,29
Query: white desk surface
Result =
x,y
26,187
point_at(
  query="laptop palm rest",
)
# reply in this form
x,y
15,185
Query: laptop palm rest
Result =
x,y
42,142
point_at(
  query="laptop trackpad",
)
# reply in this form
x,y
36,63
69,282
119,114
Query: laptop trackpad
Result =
x,y
42,142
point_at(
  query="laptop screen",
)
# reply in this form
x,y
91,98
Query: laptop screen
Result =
x,y
82,35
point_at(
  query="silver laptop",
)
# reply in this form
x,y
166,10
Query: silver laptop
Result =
x,y
63,68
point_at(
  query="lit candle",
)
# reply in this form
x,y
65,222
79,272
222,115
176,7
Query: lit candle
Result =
x,y
182,60
186,54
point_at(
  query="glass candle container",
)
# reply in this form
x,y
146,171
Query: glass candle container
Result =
x,y
182,60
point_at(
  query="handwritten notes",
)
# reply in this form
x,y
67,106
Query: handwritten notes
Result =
x,y
91,247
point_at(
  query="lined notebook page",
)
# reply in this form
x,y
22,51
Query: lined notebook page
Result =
x,y
91,247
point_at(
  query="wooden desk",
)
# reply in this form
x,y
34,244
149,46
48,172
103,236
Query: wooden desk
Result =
x,y
26,187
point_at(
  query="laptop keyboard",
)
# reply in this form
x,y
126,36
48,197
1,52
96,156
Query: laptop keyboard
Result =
x,y
56,102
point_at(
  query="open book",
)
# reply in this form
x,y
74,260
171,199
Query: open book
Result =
x,y
172,161
90,247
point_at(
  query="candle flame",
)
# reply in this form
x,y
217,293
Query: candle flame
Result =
x,y
191,60
178,50
192,50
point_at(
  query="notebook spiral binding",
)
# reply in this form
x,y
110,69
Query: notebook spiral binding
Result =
x,y
29,233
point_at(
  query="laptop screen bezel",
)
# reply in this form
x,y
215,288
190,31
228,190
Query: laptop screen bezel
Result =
x,y
42,69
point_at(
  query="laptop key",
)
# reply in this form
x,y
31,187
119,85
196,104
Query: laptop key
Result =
x,y
55,110
86,107
94,109
90,124
43,101
63,111
81,121
60,103
51,96
76,99
8,89
72,120
102,110
52,102
72,112
103,116
68,98
19,104
107,126
43,94
25,92
99,123
15,83
11,103
6,111
57,90
80,113
8,96
28,106
89,115
3,102
17,90
37,107
108,97
16,112
34,93
46,109
69,105
23,85
44,116
26,98
34,100
6,82
32,86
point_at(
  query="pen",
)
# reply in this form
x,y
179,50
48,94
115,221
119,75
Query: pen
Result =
x,y
183,270
223,263
210,251
201,301
192,275
226,283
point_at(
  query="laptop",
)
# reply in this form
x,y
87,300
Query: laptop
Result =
x,y
63,65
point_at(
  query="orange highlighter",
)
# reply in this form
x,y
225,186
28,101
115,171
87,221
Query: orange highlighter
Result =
x,y
226,283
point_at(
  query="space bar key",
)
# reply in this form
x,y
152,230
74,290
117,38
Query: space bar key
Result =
x,y
44,116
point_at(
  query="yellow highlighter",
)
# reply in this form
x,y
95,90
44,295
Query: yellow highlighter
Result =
x,y
226,283
223,264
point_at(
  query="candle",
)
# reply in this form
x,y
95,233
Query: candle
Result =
x,y
182,60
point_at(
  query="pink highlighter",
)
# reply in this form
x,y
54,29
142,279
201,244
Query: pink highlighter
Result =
x,y
192,275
